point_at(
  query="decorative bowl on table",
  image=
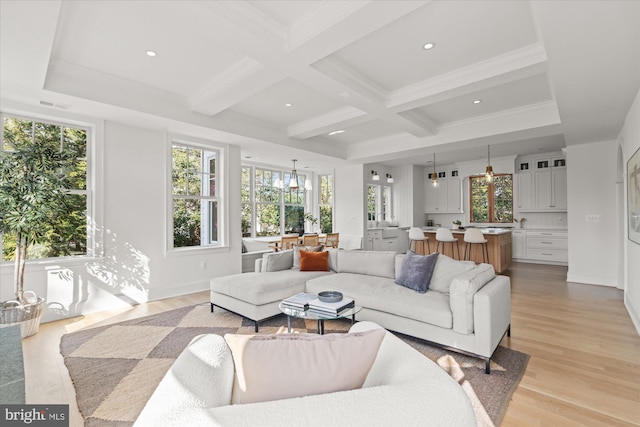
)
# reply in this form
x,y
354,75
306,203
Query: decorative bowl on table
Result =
x,y
330,296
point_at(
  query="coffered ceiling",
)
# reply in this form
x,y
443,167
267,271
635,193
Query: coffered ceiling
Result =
x,y
278,77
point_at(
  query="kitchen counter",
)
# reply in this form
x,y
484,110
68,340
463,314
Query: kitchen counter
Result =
x,y
498,242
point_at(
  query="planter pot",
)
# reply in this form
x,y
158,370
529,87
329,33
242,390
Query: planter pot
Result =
x,y
26,315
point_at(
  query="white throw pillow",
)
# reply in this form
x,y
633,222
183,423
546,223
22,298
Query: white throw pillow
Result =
x,y
445,271
282,366
277,261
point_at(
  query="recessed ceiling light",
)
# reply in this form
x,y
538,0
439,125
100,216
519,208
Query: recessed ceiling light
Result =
x,y
288,105
151,53
477,101
428,46
335,132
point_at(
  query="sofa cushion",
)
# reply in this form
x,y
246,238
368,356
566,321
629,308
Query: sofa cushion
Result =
x,y
281,366
446,269
296,253
378,263
263,288
314,261
463,289
416,271
382,294
277,261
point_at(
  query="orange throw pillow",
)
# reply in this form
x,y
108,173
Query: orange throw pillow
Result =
x,y
314,261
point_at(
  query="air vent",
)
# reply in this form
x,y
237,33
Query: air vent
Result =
x,y
54,105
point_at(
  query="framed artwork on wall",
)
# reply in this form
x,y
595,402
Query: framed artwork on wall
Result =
x,y
633,196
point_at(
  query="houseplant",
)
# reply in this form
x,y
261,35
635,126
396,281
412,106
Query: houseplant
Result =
x,y
458,224
311,219
33,179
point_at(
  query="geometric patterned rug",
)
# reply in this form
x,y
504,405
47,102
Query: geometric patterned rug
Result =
x,y
115,368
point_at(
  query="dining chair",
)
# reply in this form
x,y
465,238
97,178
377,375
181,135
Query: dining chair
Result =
x,y
416,235
474,236
332,240
288,242
310,240
444,236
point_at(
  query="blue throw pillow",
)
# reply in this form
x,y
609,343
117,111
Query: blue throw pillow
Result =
x,y
416,271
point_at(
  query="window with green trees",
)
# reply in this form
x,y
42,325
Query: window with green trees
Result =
x,y
27,144
325,202
196,203
491,202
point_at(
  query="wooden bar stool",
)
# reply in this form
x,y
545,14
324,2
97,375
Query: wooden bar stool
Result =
x,y
444,236
474,236
417,235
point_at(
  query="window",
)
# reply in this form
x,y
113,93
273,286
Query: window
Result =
x,y
195,196
378,203
267,199
491,202
60,145
325,202
269,206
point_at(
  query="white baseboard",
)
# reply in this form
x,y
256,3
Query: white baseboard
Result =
x,y
179,290
592,280
632,314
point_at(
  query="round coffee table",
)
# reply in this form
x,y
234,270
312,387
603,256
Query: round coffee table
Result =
x,y
320,317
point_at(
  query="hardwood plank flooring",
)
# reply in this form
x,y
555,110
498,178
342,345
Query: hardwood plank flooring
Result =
x,y
585,353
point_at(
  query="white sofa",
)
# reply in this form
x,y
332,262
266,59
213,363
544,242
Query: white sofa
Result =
x,y
469,313
402,388
251,251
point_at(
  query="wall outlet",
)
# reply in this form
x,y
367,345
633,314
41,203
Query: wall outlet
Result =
x,y
594,218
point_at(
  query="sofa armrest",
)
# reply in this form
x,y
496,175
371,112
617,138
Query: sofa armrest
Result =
x,y
258,265
492,314
201,377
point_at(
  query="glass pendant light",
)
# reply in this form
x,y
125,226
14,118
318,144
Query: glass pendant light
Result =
x,y
489,172
434,175
293,182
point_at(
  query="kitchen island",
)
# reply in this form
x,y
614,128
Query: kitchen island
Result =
x,y
498,241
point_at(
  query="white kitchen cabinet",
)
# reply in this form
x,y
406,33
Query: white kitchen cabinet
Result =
x,y
388,239
525,191
517,244
454,196
551,190
445,198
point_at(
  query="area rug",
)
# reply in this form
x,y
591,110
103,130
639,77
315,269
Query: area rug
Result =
x,y
115,368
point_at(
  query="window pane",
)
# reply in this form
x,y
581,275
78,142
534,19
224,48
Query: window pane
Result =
x,y
326,189
186,222
479,200
293,219
503,199
15,132
326,219
386,203
75,146
179,170
48,135
267,220
213,222
371,202
246,219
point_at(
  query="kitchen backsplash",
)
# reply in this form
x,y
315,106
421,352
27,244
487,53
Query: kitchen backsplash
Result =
x,y
533,220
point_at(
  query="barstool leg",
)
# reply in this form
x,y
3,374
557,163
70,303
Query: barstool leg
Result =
x,y
486,249
458,247
428,246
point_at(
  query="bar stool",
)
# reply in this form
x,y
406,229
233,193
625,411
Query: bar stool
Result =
x,y
444,235
474,236
417,235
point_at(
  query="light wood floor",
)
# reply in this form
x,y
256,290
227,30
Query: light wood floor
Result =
x,y
585,353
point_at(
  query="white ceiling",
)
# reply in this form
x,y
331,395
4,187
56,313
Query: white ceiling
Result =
x,y
549,74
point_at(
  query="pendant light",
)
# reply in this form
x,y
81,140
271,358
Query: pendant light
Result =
x,y
434,175
489,172
293,182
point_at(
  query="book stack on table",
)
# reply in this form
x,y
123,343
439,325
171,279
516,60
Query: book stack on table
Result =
x,y
331,308
299,301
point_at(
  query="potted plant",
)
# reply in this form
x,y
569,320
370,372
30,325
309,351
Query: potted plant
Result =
x,y
33,179
311,219
458,224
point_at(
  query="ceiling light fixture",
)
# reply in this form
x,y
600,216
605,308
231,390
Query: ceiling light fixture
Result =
x,y
293,181
489,172
335,132
428,46
390,179
375,176
288,105
151,53
434,175
477,101
307,185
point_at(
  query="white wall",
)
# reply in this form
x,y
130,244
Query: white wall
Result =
x,y
591,190
630,135
135,266
350,201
